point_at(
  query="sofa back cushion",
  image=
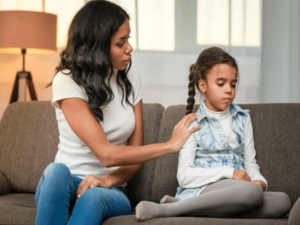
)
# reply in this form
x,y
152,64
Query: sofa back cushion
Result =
x,y
28,143
139,188
277,142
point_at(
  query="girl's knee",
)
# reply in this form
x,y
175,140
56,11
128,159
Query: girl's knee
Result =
x,y
253,195
284,204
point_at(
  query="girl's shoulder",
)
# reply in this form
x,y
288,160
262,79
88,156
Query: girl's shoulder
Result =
x,y
237,110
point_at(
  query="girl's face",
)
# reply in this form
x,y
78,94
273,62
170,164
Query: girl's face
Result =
x,y
120,48
219,87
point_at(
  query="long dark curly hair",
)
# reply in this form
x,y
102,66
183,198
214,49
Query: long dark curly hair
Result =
x,y
87,54
206,60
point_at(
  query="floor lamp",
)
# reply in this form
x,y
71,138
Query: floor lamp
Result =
x,y
26,32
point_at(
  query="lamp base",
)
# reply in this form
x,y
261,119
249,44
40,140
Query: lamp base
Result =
x,y
15,96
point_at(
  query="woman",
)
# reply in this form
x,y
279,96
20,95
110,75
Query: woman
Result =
x,y
98,109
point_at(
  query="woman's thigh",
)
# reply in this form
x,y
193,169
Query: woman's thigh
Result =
x,y
97,204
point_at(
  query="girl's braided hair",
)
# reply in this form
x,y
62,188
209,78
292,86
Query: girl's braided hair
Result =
x,y
206,60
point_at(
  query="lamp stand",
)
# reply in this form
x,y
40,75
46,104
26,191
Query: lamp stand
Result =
x,y
23,78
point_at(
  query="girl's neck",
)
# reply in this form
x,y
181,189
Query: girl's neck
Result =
x,y
214,113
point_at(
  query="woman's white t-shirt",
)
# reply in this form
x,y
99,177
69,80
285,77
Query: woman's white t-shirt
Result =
x,y
118,124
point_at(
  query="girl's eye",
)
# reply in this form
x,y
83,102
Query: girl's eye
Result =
x,y
220,84
233,85
120,44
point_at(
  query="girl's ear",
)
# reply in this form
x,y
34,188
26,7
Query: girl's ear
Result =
x,y
202,86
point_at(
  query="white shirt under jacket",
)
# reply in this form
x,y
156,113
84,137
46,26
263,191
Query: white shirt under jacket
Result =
x,y
190,176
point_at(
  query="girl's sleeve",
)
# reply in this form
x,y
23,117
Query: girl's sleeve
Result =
x,y
250,164
190,176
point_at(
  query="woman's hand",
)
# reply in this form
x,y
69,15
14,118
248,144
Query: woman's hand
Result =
x,y
91,181
241,175
260,183
181,132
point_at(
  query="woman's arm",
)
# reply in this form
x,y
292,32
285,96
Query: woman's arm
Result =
x,y
123,173
91,133
250,164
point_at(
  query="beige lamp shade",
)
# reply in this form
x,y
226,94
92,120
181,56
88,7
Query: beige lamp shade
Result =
x,y
33,31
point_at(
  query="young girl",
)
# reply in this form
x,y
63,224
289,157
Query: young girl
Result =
x,y
217,170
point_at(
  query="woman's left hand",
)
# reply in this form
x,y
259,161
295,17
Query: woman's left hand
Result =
x,y
91,181
260,183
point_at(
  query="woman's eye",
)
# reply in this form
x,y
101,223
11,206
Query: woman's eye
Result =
x,y
120,44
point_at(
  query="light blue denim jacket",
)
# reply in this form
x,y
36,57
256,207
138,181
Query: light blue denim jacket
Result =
x,y
212,148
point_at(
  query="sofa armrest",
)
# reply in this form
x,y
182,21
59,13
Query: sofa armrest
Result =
x,y
294,217
4,188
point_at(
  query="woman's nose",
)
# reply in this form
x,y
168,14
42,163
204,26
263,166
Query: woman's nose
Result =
x,y
128,49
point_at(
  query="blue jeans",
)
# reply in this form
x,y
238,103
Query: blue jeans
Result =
x,y
55,199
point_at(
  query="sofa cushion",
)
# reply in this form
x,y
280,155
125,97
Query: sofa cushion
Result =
x,y
4,188
139,188
128,220
276,130
28,143
17,209
165,181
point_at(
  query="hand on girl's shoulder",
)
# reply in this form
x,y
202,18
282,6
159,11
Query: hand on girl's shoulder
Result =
x,y
194,123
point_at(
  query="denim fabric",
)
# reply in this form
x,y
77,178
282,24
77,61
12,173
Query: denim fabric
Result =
x,y
213,149
55,199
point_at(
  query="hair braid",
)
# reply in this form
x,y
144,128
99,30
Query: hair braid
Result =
x,y
192,91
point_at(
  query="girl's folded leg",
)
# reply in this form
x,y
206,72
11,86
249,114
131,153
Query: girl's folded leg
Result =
x,y
276,205
55,193
221,199
97,204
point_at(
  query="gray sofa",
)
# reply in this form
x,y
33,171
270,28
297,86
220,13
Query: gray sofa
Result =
x,y
29,139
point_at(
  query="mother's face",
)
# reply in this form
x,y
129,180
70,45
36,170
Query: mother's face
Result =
x,y
120,48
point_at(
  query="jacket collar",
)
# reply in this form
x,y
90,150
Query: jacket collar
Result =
x,y
234,110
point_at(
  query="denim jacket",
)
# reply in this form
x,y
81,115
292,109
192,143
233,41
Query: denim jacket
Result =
x,y
212,148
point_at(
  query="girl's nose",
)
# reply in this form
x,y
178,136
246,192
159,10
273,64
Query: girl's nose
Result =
x,y
229,89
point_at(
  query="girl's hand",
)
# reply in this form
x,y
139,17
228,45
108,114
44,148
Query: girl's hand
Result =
x,y
241,175
181,132
260,183
91,181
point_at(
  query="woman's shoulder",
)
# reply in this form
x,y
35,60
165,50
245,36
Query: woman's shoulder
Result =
x,y
63,86
63,77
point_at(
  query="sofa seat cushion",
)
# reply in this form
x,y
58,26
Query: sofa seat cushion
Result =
x,y
17,209
128,220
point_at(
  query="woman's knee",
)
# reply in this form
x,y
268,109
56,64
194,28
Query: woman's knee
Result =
x,y
56,170
56,177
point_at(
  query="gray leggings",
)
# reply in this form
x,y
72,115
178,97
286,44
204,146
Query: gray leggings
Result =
x,y
233,198
225,198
